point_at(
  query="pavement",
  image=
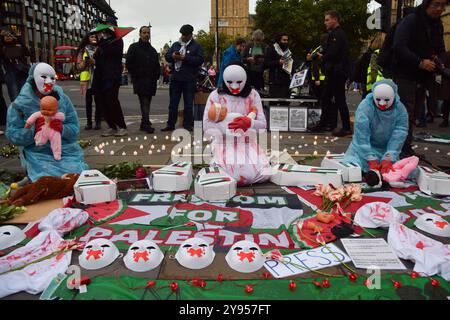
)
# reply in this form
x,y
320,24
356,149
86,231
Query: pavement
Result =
x,y
155,149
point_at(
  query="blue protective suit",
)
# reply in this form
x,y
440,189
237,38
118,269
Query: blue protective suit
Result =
x,y
39,161
378,134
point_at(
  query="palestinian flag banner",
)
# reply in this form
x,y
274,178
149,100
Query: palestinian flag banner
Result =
x,y
169,219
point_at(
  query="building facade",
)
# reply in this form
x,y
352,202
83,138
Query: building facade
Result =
x,y
46,24
234,17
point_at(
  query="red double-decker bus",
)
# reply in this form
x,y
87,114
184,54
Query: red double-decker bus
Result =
x,y
65,63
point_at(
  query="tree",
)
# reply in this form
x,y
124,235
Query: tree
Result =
x,y
303,20
208,42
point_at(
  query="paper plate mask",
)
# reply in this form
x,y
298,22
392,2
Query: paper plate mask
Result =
x,y
97,254
143,255
10,236
195,253
378,214
245,256
235,78
433,224
383,96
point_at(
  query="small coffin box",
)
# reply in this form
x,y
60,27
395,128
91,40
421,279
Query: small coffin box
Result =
x,y
351,172
431,181
174,177
94,187
295,175
214,184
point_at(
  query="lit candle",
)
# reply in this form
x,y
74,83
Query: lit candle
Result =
x,y
167,137
155,137
328,152
141,147
163,147
135,153
315,143
102,151
121,140
114,141
137,138
306,144
296,153
129,139
438,151
145,137
107,143
158,150
289,137
281,137
124,153
152,147
426,148
303,137
315,152
315,137
111,152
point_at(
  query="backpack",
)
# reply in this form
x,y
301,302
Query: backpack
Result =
x,y
386,56
359,73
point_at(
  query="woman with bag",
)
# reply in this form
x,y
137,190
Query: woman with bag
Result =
x,y
86,64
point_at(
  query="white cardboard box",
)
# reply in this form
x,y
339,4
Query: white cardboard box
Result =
x,y
214,184
431,181
351,172
295,175
94,187
174,177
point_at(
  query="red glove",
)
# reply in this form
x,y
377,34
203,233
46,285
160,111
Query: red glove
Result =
x,y
243,123
56,125
386,166
38,124
373,165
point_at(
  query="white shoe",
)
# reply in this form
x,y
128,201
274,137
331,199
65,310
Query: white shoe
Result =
x,y
109,132
121,132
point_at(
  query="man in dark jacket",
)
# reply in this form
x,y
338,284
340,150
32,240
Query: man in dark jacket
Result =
x,y
143,65
279,60
186,56
107,81
418,50
336,67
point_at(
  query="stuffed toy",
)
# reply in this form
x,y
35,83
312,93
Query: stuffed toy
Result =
x,y
48,122
45,188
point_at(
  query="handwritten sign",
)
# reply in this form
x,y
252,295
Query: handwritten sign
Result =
x,y
304,261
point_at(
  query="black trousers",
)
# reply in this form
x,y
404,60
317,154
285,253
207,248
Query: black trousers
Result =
x,y
176,89
3,108
108,101
145,102
335,89
256,79
89,102
413,95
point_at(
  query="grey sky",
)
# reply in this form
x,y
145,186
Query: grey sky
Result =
x,y
165,16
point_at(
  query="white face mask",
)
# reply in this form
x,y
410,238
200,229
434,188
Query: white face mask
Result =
x,y
235,78
44,77
10,236
383,96
245,256
143,255
195,253
433,224
97,254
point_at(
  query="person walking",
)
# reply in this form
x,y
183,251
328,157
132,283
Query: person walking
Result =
x,y
143,65
254,58
86,64
418,50
279,60
232,54
336,66
107,81
187,56
15,60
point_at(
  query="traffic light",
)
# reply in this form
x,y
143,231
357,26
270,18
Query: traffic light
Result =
x,y
385,14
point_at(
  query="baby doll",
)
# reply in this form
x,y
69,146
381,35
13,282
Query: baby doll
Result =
x,y
49,111
219,114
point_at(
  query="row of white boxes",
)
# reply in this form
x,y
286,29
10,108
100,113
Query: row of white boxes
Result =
x,y
214,184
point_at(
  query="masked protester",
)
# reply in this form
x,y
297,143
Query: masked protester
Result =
x,y
381,127
38,160
233,115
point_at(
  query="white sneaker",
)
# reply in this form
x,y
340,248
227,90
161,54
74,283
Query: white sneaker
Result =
x,y
109,132
121,132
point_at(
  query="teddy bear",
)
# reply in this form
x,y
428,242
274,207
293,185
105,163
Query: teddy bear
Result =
x,y
45,188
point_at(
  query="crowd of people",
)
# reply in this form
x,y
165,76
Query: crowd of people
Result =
x,y
412,54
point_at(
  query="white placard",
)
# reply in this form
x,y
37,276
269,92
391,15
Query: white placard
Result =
x,y
279,118
298,79
298,119
303,261
367,253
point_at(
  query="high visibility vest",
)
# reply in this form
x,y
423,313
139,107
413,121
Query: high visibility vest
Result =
x,y
321,75
85,75
370,81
